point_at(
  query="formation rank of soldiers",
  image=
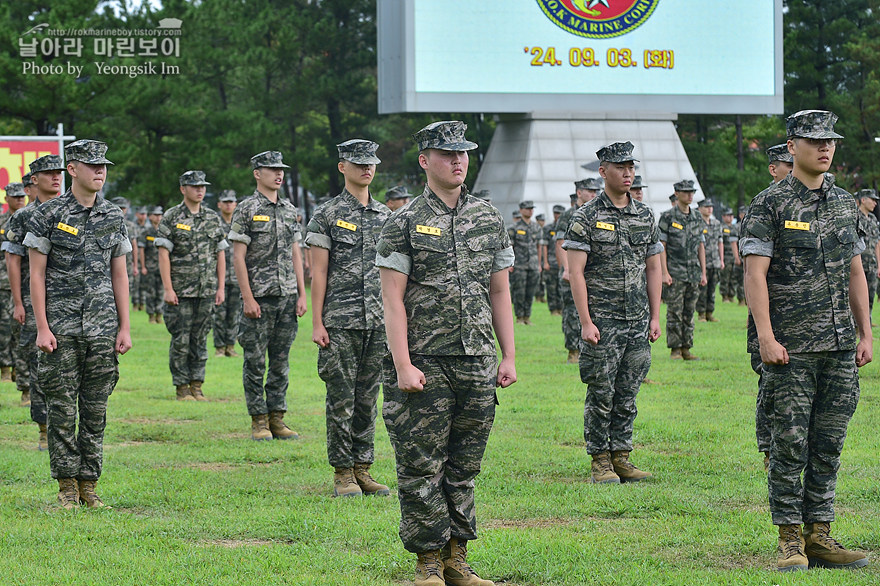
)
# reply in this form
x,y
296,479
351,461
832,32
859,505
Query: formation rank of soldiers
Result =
x,y
416,298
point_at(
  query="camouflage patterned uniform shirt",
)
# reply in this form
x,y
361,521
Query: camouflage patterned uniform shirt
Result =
x,y
79,243
712,233
811,238
682,234
349,231
729,234
550,241
869,227
147,241
13,241
617,242
269,230
231,279
525,238
563,222
448,255
4,274
193,241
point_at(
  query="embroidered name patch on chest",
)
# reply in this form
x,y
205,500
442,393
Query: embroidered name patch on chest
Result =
x,y
727,230
604,226
430,230
791,225
261,218
150,238
184,227
69,229
346,225
677,226
521,232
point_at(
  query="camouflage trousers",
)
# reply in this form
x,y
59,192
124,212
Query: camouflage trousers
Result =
x,y
77,379
681,301
613,371
571,323
738,277
270,334
27,347
706,298
7,345
22,368
523,286
872,288
351,367
136,285
763,433
439,436
226,316
809,401
727,282
153,292
188,322
551,286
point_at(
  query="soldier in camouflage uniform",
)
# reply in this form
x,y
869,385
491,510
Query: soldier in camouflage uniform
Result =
x,y
525,236
131,261
268,266
739,270
140,223
347,320
443,262
635,190
192,266
729,237
46,175
397,197
684,269
227,314
805,284
867,199
150,278
79,291
613,245
714,246
9,329
585,190
550,274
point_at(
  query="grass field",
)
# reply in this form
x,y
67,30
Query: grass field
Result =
x,y
195,501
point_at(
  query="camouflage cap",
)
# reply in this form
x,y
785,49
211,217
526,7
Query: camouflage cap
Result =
x,y
672,198
637,183
869,193
684,185
705,203
539,218
27,180
592,184
47,163
120,202
15,190
779,153
359,151
573,197
558,209
616,152
526,204
516,214
398,192
270,159
446,135
811,124
228,195
156,211
743,210
143,210
726,211
193,178
86,151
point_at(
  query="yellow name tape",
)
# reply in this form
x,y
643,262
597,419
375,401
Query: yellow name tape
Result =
x,y
552,233
261,218
727,230
429,230
797,225
705,231
521,232
69,229
183,227
346,225
150,238
604,226
677,225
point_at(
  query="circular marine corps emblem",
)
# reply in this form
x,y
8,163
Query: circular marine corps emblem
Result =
x,y
598,19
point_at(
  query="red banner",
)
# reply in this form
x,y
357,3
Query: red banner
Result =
x,y
16,155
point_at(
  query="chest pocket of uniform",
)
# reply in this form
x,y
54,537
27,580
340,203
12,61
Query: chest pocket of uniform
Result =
x,y
604,241
790,238
639,239
482,256
347,248
260,226
430,256
345,237
65,248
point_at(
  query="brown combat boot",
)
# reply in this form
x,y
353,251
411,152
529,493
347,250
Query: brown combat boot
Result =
x,y
220,351
68,493
766,462
527,321
152,318
742,303
195,389
367,483
711,318
87,496
456,570
43,444
686,354
601,470
824,551
702,317
429,569
278,428
25,398
625,469
230,351
791,556
345,483
675,354
260,428
183,393
6,374
573,356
